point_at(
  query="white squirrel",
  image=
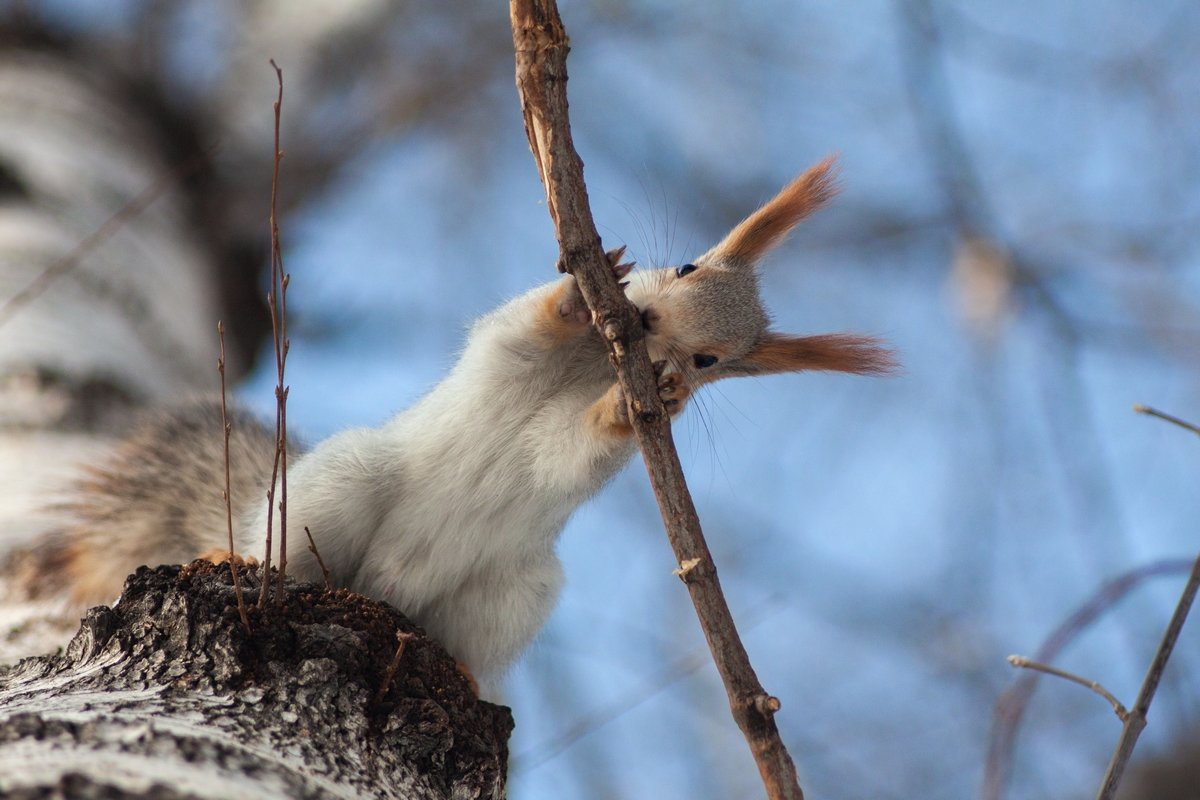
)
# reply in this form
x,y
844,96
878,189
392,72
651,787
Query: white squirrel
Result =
x,y
451,510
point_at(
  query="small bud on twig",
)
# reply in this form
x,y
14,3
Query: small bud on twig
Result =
x,y
767,705
1021,662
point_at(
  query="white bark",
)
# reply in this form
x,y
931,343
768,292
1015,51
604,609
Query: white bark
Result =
x,y
165,695
132,322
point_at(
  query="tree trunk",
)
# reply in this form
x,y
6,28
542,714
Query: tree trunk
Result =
x,y
166,695
115,266
110,287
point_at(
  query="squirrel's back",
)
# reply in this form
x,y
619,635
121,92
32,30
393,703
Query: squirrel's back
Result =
x,y
159,492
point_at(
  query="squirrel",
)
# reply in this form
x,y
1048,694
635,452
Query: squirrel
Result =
x,y
450,511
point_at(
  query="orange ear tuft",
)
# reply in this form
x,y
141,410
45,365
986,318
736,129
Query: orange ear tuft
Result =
x,y
835,352
767,226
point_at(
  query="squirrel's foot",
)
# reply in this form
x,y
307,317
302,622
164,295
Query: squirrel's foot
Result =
x,y
219,555
571,307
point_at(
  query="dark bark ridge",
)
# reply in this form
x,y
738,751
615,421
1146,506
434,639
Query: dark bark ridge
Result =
x,y
165,695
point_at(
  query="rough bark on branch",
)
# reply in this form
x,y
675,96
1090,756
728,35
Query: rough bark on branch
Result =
x,y
541,46
165,695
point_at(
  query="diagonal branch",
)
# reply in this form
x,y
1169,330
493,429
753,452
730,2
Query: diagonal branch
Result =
x,y
1136,720
541,48
1010,706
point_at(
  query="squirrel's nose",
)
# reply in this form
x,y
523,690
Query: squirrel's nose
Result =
x,y
649,318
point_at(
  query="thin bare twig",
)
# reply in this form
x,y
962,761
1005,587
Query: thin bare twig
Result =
x,y
1136,721
277,303
1010,706
1021,662
98,237
312,546
226,427
541,46
1154,412
390,675
1141,707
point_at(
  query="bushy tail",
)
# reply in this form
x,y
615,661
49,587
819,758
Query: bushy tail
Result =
x,y
156,500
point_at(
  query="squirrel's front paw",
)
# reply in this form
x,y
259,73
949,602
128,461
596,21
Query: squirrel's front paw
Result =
x,y
672,388
571,307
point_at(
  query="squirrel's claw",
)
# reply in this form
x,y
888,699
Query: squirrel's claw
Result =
x,y
672,390
672,387
614,261
570,306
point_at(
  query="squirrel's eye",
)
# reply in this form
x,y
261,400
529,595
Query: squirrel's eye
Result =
x,y
702,360
685,269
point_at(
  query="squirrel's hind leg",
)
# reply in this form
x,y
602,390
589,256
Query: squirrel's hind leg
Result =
x,y
221,555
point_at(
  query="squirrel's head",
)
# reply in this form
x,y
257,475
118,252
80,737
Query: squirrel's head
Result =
x,y
706,318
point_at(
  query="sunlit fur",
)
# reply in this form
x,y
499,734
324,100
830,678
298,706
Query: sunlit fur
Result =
x,y
451,510
746,244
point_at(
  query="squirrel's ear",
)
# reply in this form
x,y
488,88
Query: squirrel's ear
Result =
x,y
768,226
837,352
